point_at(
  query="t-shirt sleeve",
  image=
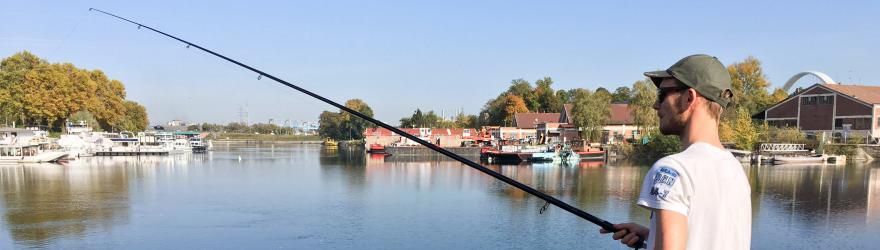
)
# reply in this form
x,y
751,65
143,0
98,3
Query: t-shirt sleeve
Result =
x,y
665,187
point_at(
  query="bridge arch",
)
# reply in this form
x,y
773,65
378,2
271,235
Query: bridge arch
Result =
x,y
822,76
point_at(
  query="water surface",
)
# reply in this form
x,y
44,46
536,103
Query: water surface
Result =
x,y
306,197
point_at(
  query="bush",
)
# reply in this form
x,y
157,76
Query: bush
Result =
x,y
658,146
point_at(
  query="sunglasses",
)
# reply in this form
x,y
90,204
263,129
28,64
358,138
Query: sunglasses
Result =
x,y
663,92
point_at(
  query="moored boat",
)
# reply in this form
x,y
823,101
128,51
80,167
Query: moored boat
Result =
x,y
779,160
376,148
330,143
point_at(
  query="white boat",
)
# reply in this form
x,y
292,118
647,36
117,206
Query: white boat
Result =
x,y
558,153
23,146
779,160
200,145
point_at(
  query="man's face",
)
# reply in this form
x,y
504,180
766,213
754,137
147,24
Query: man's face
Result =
x,y
668,108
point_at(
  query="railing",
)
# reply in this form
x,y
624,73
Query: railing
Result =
x,y
782,147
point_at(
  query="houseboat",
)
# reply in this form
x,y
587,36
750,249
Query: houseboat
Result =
x,y
24,146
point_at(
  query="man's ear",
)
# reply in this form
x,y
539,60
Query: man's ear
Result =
x,y
688,99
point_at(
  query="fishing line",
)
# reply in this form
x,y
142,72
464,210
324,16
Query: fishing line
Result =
x,y
64,40
549,199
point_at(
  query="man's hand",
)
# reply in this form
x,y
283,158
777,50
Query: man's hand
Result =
x,y
628,233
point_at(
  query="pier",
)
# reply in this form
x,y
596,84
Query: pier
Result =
x,y
130,153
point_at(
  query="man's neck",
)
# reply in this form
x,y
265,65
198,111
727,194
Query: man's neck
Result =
x,y
701,129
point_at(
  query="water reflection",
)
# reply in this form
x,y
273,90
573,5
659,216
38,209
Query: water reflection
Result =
x,y
818,205
44,202
307,196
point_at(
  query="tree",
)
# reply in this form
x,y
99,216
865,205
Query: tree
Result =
x,y
235,127
523,89
330,125
466,121
546,97
134,118
778,96
355,126
513,104
590,113
33,91
642,106
621,95
749,85
740,130
342,125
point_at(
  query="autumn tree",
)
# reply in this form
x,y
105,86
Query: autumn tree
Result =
x,y
134,118
740,130
749,85
34,91
512,105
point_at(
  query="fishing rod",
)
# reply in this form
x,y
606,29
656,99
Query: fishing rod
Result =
x,y
549,199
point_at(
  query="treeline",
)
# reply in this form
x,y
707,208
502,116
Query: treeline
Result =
x,y
751,95
241,128
590,110
34,92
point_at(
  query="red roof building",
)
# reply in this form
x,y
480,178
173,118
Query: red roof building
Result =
x,y
835,109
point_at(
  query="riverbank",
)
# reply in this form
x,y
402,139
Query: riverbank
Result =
x,y
242,137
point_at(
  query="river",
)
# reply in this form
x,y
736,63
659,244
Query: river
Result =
x,y
307,197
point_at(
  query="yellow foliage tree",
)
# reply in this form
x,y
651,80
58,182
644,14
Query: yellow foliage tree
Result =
x,y
513,104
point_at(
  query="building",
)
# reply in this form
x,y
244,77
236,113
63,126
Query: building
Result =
x,y
620,126
526,126
444,137
837,110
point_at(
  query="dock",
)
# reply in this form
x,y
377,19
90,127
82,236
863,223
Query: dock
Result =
x,y
130,153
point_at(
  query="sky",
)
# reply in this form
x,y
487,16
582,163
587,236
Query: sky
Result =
x,y
446,56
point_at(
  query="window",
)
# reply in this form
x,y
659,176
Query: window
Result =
x,y
862,124
811,100
826,100
838,123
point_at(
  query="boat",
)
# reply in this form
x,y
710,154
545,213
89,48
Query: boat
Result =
x,y
593,155
24,146
780,160
198,145
376,148
330,143
558,153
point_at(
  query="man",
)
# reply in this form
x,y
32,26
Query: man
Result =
x,y
700,197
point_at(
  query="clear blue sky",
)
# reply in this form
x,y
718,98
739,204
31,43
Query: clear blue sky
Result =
x,y
400,55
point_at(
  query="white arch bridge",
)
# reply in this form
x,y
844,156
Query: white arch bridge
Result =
x,y
822,76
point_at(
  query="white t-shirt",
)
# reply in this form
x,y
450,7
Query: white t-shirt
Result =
x,y
708,185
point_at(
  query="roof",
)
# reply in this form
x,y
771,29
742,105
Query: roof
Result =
x,y
531,120
869,94
15,130
620,114
566,111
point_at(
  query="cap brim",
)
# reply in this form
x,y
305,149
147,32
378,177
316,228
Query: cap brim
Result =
x,y
657,76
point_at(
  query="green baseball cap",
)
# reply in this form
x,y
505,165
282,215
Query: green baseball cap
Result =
x,y
703,73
